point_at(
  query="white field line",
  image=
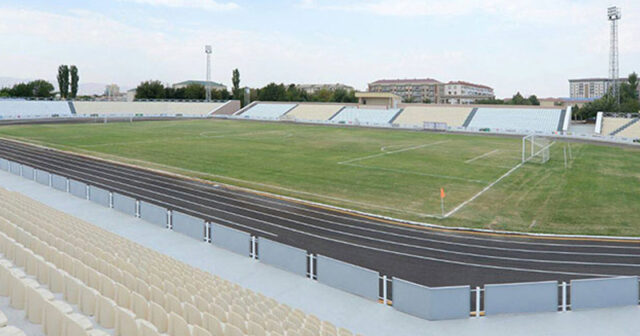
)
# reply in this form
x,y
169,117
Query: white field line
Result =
x,y
485,189
481,156
402,171
122,161
393,152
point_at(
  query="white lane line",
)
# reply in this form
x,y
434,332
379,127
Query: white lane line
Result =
x,y
481,156
279,202
388,233
488,266
379,240
393,152
402,171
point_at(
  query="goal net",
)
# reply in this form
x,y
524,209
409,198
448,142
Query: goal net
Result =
x,y
535,149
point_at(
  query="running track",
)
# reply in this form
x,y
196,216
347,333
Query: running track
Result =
x,y
431,257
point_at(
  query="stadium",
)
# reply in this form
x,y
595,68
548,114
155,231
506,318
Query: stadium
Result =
x,y
313,209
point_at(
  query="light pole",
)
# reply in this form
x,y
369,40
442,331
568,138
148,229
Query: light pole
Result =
x,y
208,50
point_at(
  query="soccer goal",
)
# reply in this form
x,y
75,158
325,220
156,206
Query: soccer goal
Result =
x,y
536,149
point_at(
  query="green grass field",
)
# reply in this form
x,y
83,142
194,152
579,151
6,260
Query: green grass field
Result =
x,y
388,172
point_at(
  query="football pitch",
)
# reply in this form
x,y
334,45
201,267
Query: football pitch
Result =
x,y
387,172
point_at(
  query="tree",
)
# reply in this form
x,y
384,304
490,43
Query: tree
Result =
x,y
41,88
490,101
63,81
343,96
196,91
426,101
235,80
273,92
151,89
534,100
74,80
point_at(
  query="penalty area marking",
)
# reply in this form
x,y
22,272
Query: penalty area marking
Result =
x,y
485,189
481,156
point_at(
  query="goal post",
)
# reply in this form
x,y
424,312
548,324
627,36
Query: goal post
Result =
x,y
536,149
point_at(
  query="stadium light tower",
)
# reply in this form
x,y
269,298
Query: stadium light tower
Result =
x,y
208,50
613,13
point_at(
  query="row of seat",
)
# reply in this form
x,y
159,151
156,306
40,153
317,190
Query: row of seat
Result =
x,y
146,108
115,279
18,109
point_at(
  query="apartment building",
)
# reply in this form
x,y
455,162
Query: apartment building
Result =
x,y
460,92
591,87
433,91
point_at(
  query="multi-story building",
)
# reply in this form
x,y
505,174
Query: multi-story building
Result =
x,y
433,91
591,87
313,88
411,90
460,92
112,91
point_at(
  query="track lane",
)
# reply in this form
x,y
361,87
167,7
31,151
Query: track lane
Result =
x,y
412,250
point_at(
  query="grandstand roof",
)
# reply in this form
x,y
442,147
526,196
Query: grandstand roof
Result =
x,y
200,82
408,81
376,95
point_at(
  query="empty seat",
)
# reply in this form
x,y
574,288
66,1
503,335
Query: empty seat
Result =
x,y
77,325
125,323
354,115
177,325
53,318
158,316
35,300
267,110
105,312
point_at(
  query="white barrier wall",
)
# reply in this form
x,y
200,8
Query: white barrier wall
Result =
x,y
42,177
529,297
58,182
78,189
283,256
28,172
441,303
350,278
605,292
153,214
124,204
100,196
231,239
187,224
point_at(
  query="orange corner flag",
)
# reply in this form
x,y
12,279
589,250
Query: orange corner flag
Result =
x,y
442,194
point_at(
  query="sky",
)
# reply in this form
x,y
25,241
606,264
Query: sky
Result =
x,y
530,46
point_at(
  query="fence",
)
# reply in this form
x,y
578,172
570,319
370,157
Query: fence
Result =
x,y
431,303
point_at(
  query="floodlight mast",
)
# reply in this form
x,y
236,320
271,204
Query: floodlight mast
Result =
x,y
614,14
208,50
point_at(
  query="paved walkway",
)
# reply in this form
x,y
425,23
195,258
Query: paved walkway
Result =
x,y
343,309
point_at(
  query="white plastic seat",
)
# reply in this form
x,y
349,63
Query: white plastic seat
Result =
x,y
3,320
105,312
12,331
158,316
72,289
35,303
231,330
53,317
177,325
146,328
192,314
123,296
19,289
212,324
77,325
88,301
199,331
125,323
139,306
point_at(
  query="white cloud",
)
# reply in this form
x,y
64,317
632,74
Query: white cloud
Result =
x,y
210,5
